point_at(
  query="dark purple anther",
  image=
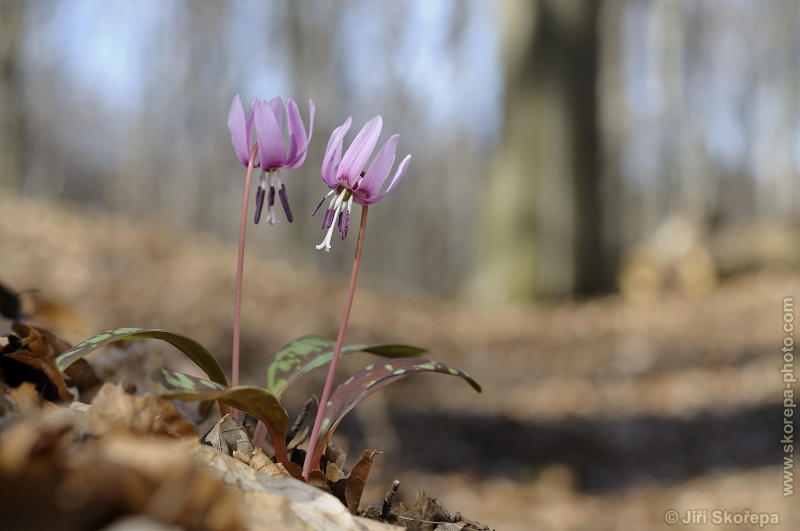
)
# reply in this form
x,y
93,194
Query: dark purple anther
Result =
x,y
271,197
285,203
326,217
318,206
344,223
259,203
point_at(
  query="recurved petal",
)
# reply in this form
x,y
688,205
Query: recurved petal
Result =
x,y
379,168
333,153
298,141
271,151
359,151
399,174
240,133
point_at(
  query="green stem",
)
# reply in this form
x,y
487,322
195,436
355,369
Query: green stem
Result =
x,y
312,456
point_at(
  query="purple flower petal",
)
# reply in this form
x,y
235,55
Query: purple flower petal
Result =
x,y
241,129
271,150
379,169
401,171
298,141
276,104
333,154
359,151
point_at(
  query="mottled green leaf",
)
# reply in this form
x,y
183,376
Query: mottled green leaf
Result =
x,y
367,381
188,346
254,400
307,353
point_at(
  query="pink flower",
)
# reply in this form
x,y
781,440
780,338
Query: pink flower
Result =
x,y
269,118
348,183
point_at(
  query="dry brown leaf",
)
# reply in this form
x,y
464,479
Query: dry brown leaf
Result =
x,y
281,504
156,477
56,478
317,479
259,462
228,435
335,458
423,515
25,399
37,443
113,409
293,469
35,348
357,480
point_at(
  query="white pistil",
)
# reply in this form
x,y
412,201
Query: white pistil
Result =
x,y
337,207
274,179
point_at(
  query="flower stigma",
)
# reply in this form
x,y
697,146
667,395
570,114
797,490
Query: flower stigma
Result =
x,y
336,215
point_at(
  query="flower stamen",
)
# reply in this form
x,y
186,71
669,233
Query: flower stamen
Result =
x,y
260,196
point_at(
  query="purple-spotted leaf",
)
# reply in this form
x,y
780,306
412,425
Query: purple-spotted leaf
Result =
x,y
307,353
188,346
371,379
254,400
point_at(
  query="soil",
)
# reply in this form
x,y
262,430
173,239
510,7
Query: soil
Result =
x,y
596,414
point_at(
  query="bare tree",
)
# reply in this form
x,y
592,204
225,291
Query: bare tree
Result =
x,y
541,230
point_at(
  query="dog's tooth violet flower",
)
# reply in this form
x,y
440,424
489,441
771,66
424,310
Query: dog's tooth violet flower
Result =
x,y
269,118
347,181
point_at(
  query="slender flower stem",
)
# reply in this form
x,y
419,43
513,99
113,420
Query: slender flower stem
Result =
x,y
310,462
237,303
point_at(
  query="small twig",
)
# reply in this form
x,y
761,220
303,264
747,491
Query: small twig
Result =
x,y
388,500
301,418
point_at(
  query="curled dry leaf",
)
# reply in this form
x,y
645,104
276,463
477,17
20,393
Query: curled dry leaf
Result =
x,y
259,462
335,457
113,409
424,514
229,436
29,356
34,445
280,503
357,480
156,477
55,477
25,399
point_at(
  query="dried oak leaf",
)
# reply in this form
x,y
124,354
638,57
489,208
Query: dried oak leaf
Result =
x,y
29,356
350,488
423,515
228,435
26,400
38,442
259,462
113,409
157,478
334,466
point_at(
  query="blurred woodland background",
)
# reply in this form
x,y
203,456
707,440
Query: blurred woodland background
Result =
x,y
564,151
560,147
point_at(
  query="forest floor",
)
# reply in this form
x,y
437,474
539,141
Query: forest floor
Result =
x,y
598,414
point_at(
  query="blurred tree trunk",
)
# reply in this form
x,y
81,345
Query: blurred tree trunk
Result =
x,y
12,125
541,213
